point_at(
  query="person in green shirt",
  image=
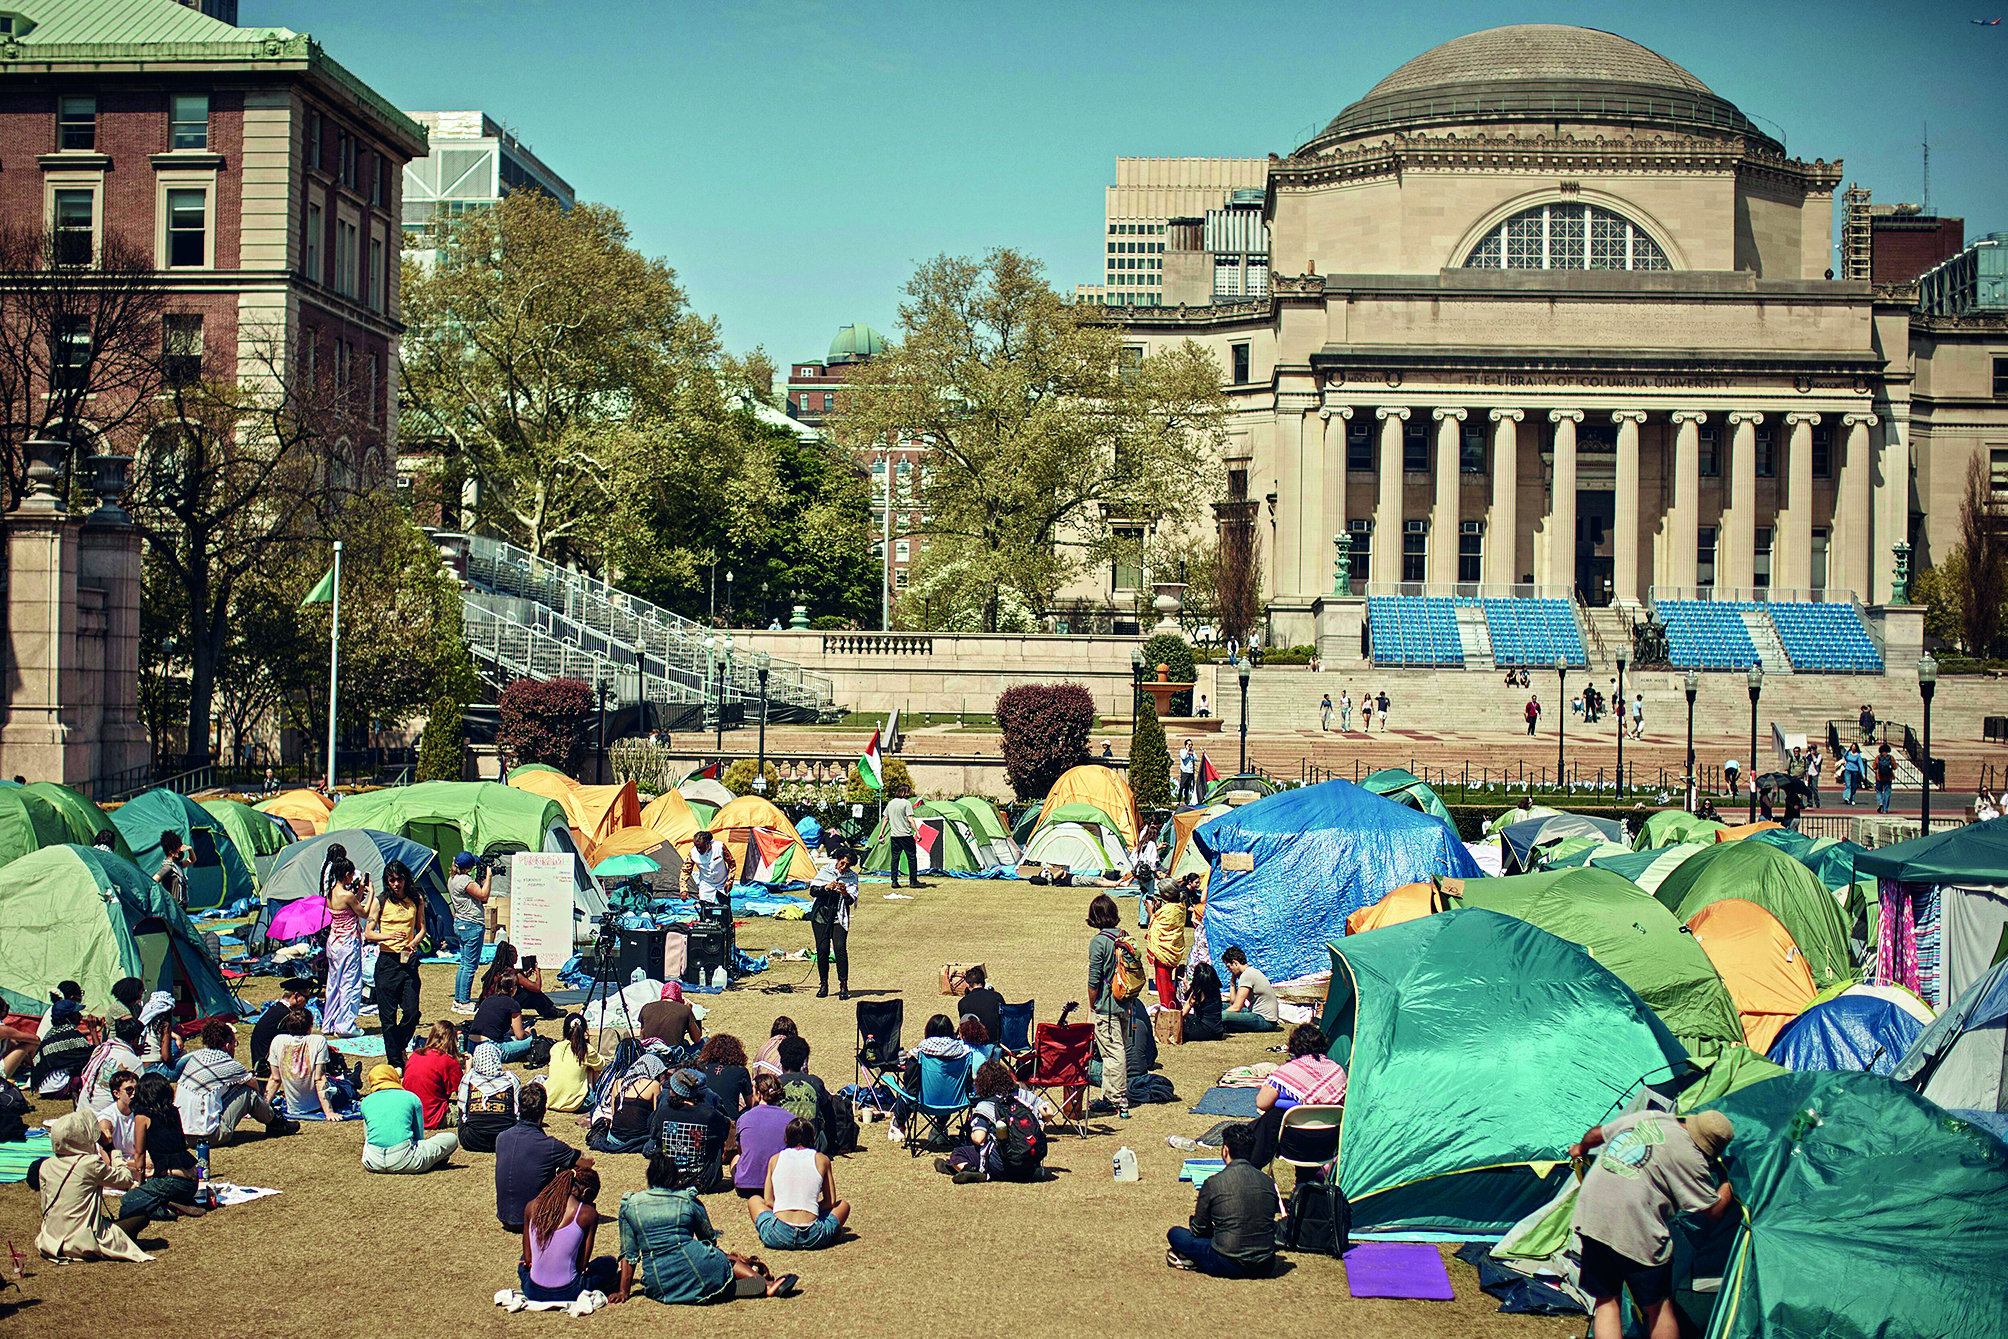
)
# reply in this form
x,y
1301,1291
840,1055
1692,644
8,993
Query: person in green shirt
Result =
x,y
394,1138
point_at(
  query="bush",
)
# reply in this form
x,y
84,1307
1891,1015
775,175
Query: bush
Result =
x,y
544,720
442,749
829,623
1173,652
1149,761
891,771
738,778
1045,728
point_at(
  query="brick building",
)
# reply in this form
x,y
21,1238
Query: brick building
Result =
x,y
261,175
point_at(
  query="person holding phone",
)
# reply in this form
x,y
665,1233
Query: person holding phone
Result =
x,y
835,890
397,927
347,890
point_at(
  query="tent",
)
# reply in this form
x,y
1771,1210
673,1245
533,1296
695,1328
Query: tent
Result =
x,y
1862,1028
707,790
1289,870
1830,858
734,825
305,810
672,816
82,818
1742,830
989,828
1761,873
1080,836
296,873
1631,935
1411,901
1575,852
1518,815
1671,826
944,843
665,851
1961,1060
1405,787
542,779
595,812
1864,1212
70,912
257,837
29,822
220,875
1760,963
1649,868
1943,897
1522,840
1244,782
1478,1047
1092,783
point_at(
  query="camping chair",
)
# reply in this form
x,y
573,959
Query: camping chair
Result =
x,y
1309,1138
1015,1022
1060,1055
943,1101
879,1023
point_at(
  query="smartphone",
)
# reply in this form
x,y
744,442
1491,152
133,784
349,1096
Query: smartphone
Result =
x,y
530,963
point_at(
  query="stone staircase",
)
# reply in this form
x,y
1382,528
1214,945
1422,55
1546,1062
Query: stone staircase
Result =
x,y
1604,631
1764,636
1476,635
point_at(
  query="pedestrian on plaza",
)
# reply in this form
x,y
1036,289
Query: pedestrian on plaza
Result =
x,y
1533,713
1731,769
1345,711
1854,770
1868,723
1815,764
899,827
1885,777
1638,715
1188,774
1325,713
1367,712
1381,702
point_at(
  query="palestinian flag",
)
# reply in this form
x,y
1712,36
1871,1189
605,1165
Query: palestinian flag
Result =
x,y
768,855
927,844
709,773
1208,773
870,767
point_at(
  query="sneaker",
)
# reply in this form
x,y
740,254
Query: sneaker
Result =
x,y
461,1007
969,1178
944,1166
893,1134
1179,1141
1174,1260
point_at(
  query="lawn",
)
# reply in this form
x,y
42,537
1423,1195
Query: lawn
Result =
x,y
342,1251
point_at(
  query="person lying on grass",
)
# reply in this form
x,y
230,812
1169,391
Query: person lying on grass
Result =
x,y
669,1249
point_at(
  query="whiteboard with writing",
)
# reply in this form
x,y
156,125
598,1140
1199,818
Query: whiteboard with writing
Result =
x,y
540,904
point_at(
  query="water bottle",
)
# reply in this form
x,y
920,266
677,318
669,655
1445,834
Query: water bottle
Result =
x,y
202,1191
1126,1166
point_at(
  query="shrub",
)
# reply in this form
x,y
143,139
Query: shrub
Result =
x,y
1171,651
892,772
544,720
442,749
738,778
1045,728
1150,761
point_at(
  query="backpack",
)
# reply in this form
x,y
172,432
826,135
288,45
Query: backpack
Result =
x,y
1021,1144
1126,972
1885,767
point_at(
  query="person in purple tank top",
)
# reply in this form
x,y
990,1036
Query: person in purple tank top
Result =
x,y
558,1230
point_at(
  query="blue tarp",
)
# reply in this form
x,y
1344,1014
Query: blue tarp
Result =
x,y
1961,1061
1318,854
1853,1032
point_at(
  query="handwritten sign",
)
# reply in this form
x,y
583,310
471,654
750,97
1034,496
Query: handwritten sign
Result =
x,y
540,904
1237,862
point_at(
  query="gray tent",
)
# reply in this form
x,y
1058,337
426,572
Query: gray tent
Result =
x,y
297,873
1523,839
1961,1060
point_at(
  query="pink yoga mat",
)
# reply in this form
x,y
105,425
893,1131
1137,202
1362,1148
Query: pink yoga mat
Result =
x,y
1409,1269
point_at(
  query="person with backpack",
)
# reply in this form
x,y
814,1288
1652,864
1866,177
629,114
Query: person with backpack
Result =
x,y
1006,1141
1885,777
805,1095
1115,979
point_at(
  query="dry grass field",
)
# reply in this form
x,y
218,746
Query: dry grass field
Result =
x,y
343,1252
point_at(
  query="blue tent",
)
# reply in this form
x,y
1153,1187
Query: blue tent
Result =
x,y
1289,869
1856,1030
1961,1060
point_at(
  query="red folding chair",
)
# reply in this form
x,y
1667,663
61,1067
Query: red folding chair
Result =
x,y
1061,1052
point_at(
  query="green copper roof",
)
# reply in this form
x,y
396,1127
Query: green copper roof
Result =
x,y
86,22
856,342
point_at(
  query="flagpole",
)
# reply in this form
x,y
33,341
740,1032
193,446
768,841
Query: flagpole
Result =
x,y
334,662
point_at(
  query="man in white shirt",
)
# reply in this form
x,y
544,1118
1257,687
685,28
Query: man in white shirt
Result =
x,y
899,828
708,873
1188,774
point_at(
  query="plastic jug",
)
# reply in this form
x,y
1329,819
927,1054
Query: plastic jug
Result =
x,y
718,980
1126,1165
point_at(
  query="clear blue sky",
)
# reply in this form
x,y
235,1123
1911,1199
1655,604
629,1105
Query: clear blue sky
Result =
x,y
794,160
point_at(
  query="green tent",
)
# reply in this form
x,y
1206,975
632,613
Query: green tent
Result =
x,y
1831,859
1670,826
1763,874
1648,869
1518,815
1631,935
1575,852
1260,786
1405,787
82,818
70,912
257,837
28,822
220,875
1865,1210
1479,1047
454,816
1079,836
950,852
989,828
1976,855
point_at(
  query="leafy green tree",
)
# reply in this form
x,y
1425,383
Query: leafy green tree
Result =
x,y
739,776
1150,760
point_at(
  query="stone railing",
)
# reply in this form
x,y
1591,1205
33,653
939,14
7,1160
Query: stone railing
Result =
x,y
876,644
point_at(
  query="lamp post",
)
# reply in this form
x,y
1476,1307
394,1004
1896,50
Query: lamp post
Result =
x,y
1693,686
1927,688
761,668
728,594
711,667
1756,689
1561,718
1136,686
1243,671
1624,655
605,690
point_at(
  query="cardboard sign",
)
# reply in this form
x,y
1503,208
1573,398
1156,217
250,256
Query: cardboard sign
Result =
x,y
540,904
1238,862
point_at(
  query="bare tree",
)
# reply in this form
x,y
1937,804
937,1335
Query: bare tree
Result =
x,y
1983,541
81,331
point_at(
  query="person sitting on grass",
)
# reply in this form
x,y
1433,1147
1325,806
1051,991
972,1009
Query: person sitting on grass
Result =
x,y
498,1020
526,1159
117,1053
769,1059
670,1020
433,1072
161,1162
294,992
998,1105
1252,1007
687,1126
804,1094
394,1137
1203,1004
574,1066
300,1063
160,1049
72,1182
487,1099
626,1129
1309,1078
669,1248
215,1092
723,1061
982,1002
798,1209
1233,1229
557,1264
763,1132
116,1121
68,1041
529,980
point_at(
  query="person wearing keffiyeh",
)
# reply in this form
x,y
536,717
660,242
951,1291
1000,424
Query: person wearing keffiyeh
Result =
x,y
487,1099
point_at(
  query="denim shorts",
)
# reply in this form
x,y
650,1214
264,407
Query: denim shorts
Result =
x,y
777,1235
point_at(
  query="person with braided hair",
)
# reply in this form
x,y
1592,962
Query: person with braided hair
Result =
x,y
558,1263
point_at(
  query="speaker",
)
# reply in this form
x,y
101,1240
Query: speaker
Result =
x,y
638,948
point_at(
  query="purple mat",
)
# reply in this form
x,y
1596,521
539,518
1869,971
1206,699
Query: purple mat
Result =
x,y
1409,1269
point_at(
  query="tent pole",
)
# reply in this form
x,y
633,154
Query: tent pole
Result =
x,y
334,662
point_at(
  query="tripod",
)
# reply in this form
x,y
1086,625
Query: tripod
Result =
x,y
604,971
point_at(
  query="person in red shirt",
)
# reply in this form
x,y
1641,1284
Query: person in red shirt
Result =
x,y
433,1073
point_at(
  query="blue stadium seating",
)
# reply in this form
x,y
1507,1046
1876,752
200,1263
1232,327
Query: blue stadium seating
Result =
x,y
1707,634
1532,632
1414,630
1825,638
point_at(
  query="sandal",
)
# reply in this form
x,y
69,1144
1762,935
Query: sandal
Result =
x,y
786,1285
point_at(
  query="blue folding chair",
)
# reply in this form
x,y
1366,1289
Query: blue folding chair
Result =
x,y
942,1104
1015,1022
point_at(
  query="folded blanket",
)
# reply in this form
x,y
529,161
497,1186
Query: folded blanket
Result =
x,y
15,1157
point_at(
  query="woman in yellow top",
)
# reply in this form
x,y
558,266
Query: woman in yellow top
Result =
x,y
1168,939
574,1065
397,928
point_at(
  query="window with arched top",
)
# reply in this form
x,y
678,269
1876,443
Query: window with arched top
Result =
x,y
1565,235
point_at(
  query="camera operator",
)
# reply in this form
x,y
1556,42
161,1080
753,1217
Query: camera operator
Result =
x,y
467,894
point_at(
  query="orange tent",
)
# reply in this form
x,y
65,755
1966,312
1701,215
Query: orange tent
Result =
x,y
643,841
601,811
305,811
538,781
735,823
1410,902
671,815
1091,783
1737,834
1761,964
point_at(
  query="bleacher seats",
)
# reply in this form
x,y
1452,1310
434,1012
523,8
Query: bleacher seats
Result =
x,y
1825,638
1414,630
1707,634
1533,632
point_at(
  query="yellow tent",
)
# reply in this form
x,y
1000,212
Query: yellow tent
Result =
x,y
671,816
734,825
1761,964
601,811
1738,833
1410,902
1091,783
555,785
304,810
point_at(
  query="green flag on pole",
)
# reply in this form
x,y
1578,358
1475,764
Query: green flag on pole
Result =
x,y
323,592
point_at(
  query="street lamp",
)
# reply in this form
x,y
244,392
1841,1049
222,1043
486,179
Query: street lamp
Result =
x,y
1693,687
1927,688
1561,717
1243,671
1756,688
761,667
1624,655
605,690
728,593
713,668
1136,685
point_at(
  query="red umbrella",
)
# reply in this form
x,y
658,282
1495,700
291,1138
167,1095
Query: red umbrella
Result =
x,y
302,916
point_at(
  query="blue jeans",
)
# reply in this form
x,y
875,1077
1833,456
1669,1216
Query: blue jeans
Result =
x,y
1850,783
512,1050
1146,888
1245,1020
1200,1251
1882,797
778,1235
470,935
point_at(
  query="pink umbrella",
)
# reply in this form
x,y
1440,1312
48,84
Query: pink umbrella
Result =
x,y
302,916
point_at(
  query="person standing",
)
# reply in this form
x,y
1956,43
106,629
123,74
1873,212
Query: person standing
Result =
x,y
1325,713
1188,774
899,830
1382,701
836,893
172,876
1168,941
708,873
1815,764
1867,722
1533,713
346,893
1853,770
1638,715
1885,777
1345,711
397,928
467,898
1143,865
1111,1007
1367,713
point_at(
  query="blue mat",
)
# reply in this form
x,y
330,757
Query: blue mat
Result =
x,y
15,1157
1235,1103
369,1044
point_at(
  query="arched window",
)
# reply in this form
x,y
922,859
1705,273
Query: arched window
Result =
x,y
1567,236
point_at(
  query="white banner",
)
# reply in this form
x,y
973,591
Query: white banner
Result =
x,y
540,905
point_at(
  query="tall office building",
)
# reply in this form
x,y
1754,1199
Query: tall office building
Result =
x,y
474,162
1149,193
